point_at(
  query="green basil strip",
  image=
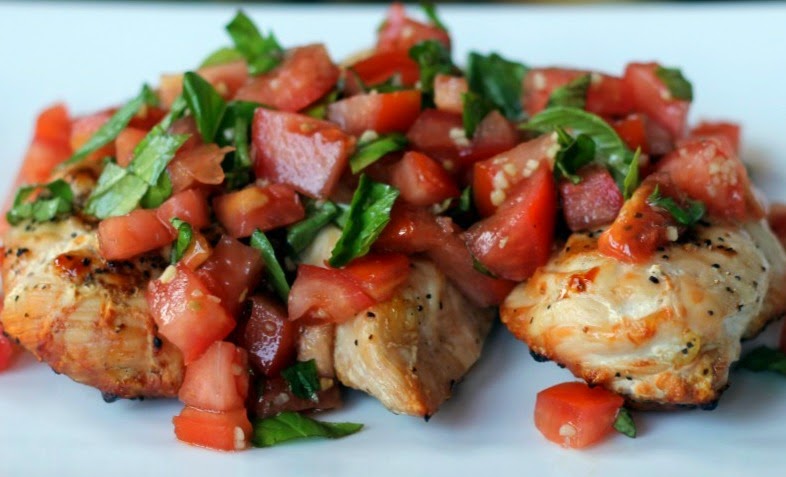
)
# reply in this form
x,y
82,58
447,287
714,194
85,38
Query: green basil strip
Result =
x,y
318,215
206,105
610,150
631,181
151,161
288,426
765,359
624,423
432,58
273,268
110,129
303,379
262,53
157,194
465,200
369,213
692,213
573,94
679,87
343,216
184,236
371,151
117,192
497,80
235,127
56,199
574,154
431,12
475,109
221,56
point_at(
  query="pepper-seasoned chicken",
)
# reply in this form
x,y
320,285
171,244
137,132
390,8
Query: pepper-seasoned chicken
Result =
x,y
85,317
661,333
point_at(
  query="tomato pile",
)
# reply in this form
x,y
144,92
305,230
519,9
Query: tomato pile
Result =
x,y
233,169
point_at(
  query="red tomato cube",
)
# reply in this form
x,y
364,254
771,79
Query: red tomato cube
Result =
x,y
400,33
379,275
593,202
227,431
651,97
218,380
189,206
126,236
84,128
326,295
449,93
263,208
728,131
379,112
269,336
231,272
125,142
196,166
422,181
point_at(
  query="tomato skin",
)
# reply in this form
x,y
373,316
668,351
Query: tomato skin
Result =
x,y
606,96
651,97
51,145
263,208
421,180
633,130
379,67
410,230
380,112
186,312
213,430
306,74
126,236
539,83
306,153
325,295
449,93
197,252
574,415
431,135
728,131
53,124
494,178
200,165
517,239
231,272
593,202
379,275
125,142
269,336
268,401
6,351
494,135
82,129
400,33
189,206
227,79
217,381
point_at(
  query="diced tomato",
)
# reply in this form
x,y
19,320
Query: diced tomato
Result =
x,y
575,415
777,220
651,97
125,143
379,68
410,230
50,145
147,117
379,112
231,272
326,295
227,431
593,202
379,275
189,206
187,125
306,74
169,88
435,134
263,208
728,131
186,312
541,82
84,128
494,135
708,170
449,93
306,153
217,381
269,336
517,239
227,79
633,130
126,236
198,251
400,33
421,180
269,400
494,178
606,95
6,351
200,165
53,124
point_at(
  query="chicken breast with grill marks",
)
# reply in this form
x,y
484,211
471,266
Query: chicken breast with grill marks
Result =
x,y
85,317
661,333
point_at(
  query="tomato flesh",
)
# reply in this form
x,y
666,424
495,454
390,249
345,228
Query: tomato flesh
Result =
x,y
400,33
421,180
633,130
449,93
651,97
200,165
263,208
84,128
189,206
593,202
326,295
50,146
379,275
574,415
231,272
126,236
125,142
728,131
269,336
226,431
218,380
379,68
379,112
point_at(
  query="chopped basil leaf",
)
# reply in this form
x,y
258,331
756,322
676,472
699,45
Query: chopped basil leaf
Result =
x,y
610,150
110,129
465,200
206,105
574,154
151,161
631,181
687,216
184,236
55,198
303,379
343,216
371,151
234,130
222,56
432,58
431,12
157,194
765,359
497,80
573,94
319,110
390,85
273,268
287,426
478,266
624,423
263,53
318,215
369,213
117,192
475,109
679,87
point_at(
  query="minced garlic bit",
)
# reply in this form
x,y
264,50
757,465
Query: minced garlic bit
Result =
x,y
240,438
503,242
497,197
672,234
325,383
539,81
567,430
459,137
596,78
169,274
196,293
368,136
214,298
282,398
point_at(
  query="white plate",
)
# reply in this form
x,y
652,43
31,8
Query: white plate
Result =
x,y
95,55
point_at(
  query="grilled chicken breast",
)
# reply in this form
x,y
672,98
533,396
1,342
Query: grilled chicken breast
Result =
x,y
661,333
85,317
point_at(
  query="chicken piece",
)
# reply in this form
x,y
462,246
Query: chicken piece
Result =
x,y
661,333
85,317
410,351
